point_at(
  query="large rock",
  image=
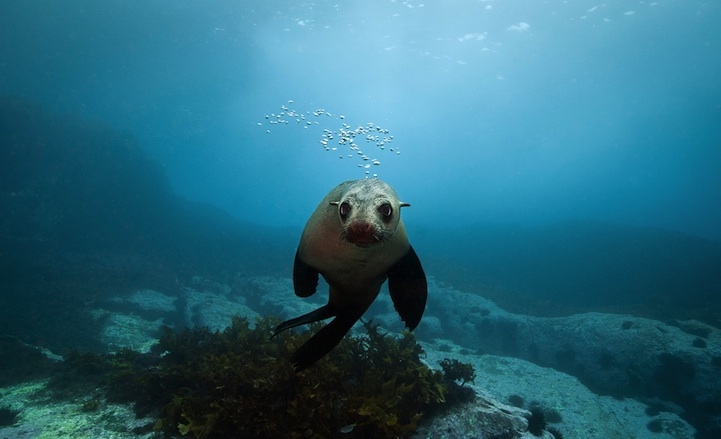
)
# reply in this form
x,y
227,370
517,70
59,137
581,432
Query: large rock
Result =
x,y
674,365
569,406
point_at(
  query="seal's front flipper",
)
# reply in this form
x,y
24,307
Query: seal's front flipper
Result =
x,y
323,341
408,287
322,313
305,277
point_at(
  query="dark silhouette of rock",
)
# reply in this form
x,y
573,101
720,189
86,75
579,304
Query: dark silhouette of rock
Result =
x,y
86,212
581,266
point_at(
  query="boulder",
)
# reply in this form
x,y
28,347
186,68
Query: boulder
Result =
x,y
675,365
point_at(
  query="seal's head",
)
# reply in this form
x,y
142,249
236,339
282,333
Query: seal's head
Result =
x,y
369,212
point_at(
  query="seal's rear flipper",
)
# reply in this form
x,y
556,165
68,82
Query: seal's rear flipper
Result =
x,y
305,277
322,313
323,341
408,287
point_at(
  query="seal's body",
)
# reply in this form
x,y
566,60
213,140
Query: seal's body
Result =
x,y
356,240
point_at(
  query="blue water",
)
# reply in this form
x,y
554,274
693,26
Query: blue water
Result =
x,y
559,156
514,112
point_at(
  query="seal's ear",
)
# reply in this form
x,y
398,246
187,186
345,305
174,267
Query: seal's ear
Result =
x,y
405,204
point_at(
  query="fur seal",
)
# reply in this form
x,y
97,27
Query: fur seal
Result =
x,y
356,240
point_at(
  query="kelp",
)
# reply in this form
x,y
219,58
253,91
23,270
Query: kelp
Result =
x,y
240,383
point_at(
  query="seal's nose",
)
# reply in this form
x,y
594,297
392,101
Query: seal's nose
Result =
x,y
360,227
361,232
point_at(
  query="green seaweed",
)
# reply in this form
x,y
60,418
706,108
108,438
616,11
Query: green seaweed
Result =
x,y
454,370
240,383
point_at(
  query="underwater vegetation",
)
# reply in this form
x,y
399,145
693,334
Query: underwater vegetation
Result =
x,y
555,432
456,374
240,383
537,421
540,416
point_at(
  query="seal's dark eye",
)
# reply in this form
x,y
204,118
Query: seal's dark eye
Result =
x,y
386,210
344,210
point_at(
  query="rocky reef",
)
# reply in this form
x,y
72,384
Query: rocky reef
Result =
x,y
673,366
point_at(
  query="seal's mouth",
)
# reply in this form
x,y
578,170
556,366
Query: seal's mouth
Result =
x,y
363,242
